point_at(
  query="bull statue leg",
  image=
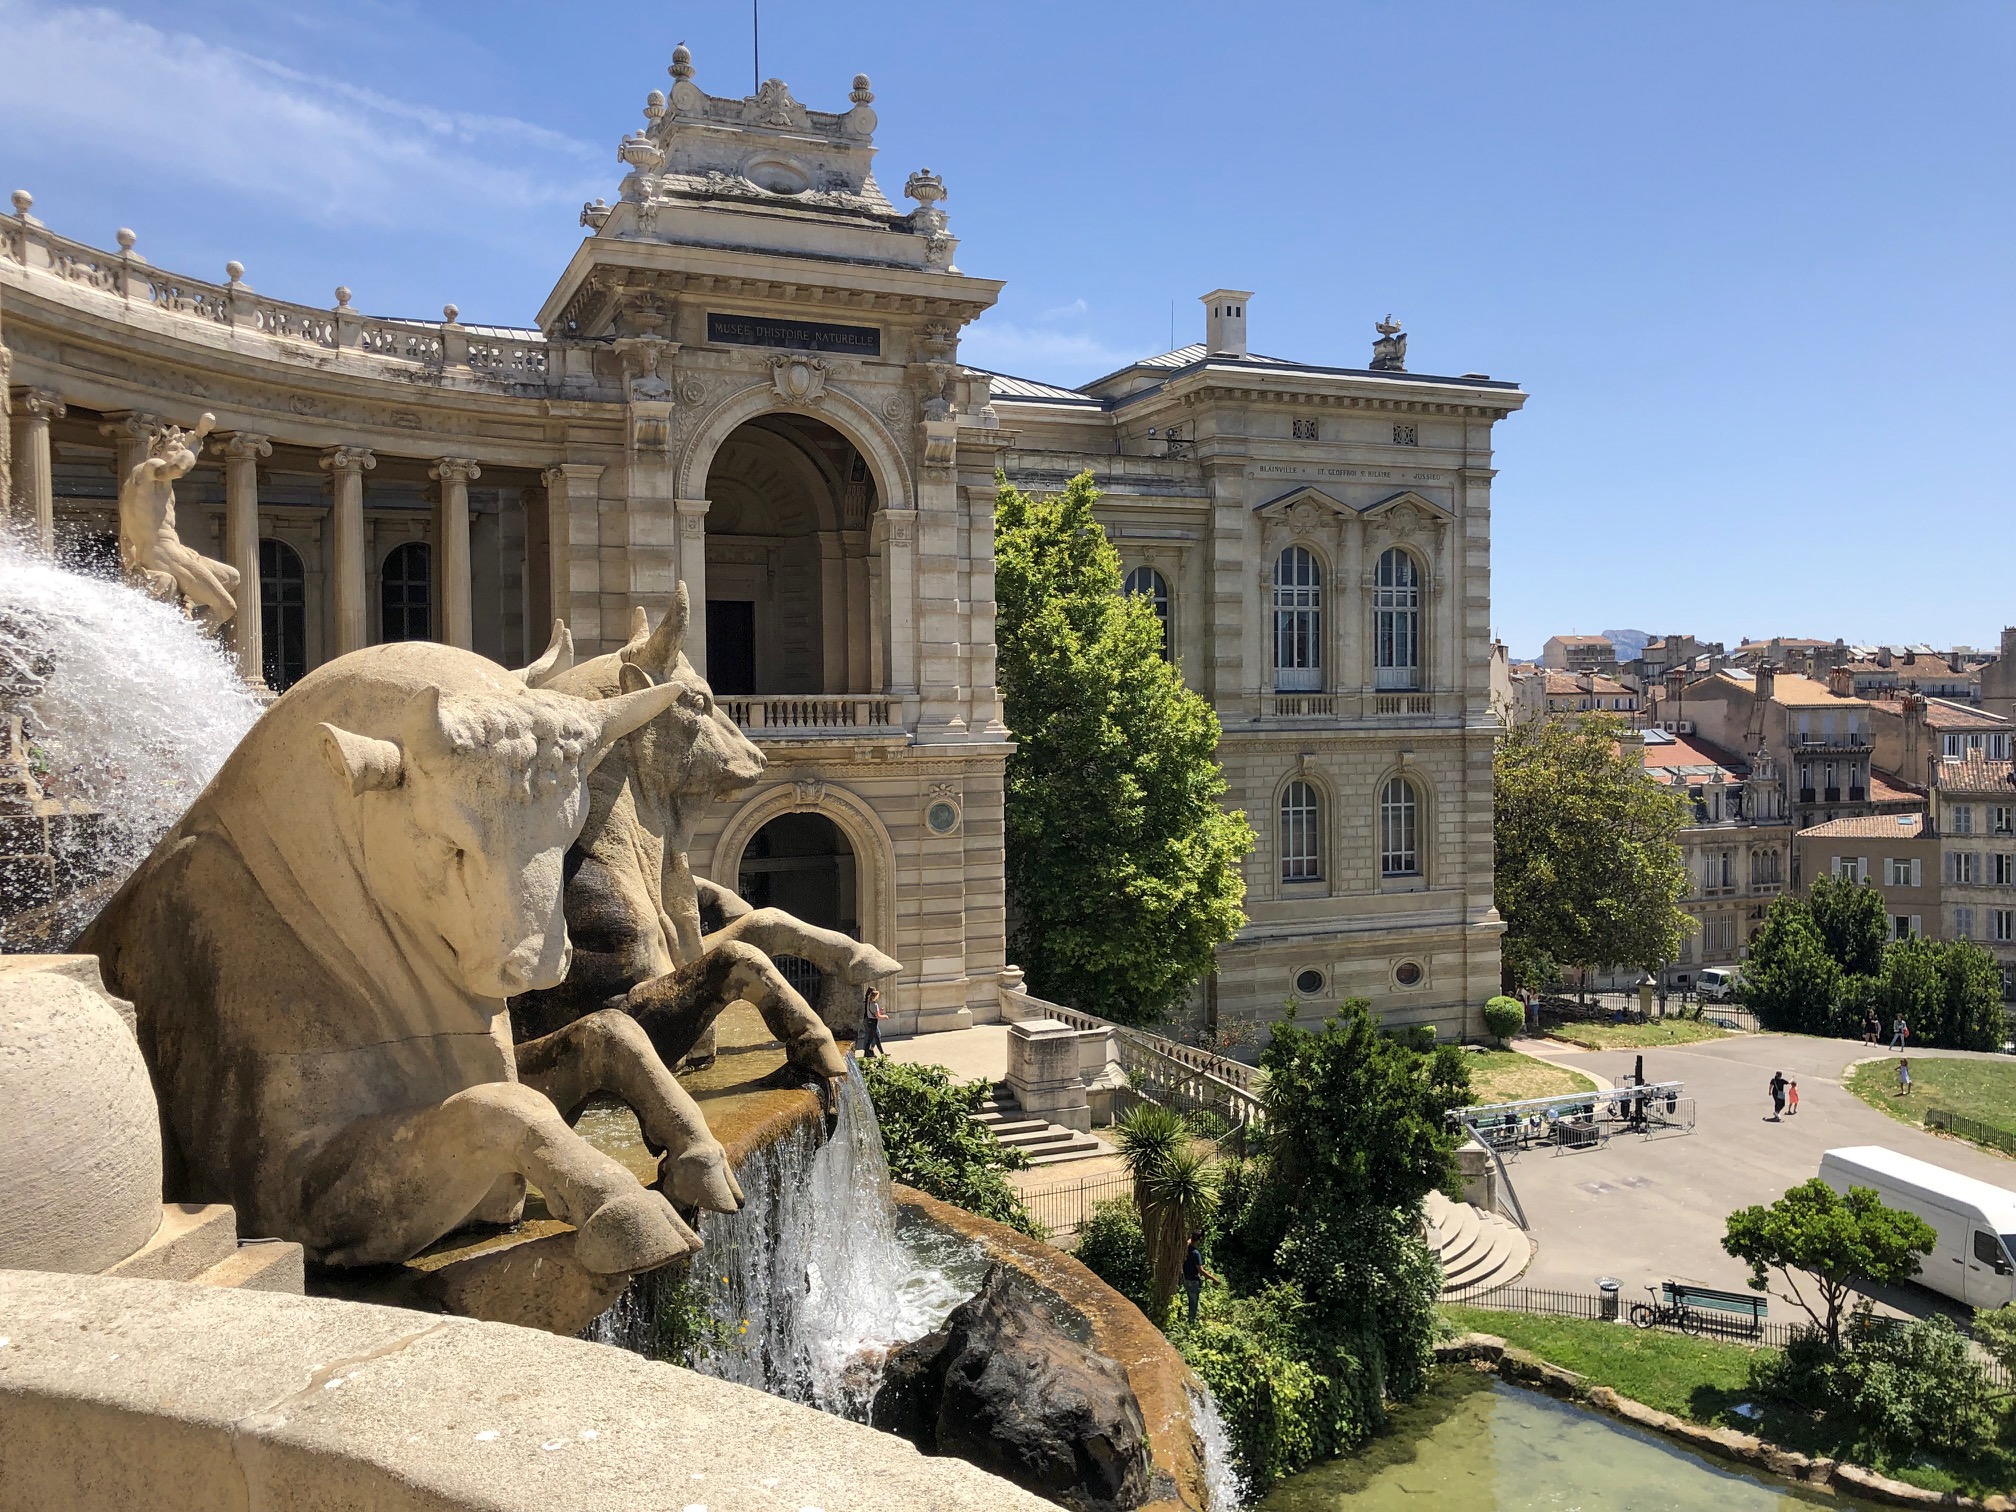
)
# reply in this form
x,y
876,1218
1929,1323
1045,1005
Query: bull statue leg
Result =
x,y
608,1051
387,1187
678,1008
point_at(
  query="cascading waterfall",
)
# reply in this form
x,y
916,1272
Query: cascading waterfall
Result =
x,y
129,708
809,1286
1223,1483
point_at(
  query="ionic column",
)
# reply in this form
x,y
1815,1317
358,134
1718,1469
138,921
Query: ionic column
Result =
x,y
451,530
346,466
241,453
692,514
34,463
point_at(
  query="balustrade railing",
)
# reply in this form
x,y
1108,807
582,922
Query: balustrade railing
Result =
x,y
490,355
839,712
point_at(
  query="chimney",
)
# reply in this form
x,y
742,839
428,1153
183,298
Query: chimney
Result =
x,y
1225,322
1765,681
1915,738
1841,681
2009,642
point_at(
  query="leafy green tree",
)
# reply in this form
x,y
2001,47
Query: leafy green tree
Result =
x,y
1841,1244
1123,867
1504,1017
1589,869
1948,991
1852,922
1790,978
1112,1246
933,1144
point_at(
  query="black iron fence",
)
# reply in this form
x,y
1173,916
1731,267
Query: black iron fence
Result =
x,y
1067,1209
1971,1128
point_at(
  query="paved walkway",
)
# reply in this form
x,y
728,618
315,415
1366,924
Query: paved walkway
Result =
x,y
1652,1210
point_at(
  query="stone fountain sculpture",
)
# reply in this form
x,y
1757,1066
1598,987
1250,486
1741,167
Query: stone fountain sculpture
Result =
x,y
150,547
670,948
320,954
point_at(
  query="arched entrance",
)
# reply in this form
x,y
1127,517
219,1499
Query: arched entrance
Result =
x,y
790,580
803,864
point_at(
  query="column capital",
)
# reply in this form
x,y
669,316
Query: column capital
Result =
x,y
353,460
693,506
454,470
40,403
563,475
242,446
134,425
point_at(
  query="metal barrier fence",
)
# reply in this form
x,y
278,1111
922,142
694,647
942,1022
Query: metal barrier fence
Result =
x,y
1971,1128
1066,1210
1734,1330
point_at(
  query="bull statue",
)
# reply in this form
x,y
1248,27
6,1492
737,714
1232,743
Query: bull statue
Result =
x,y
672,949
321,951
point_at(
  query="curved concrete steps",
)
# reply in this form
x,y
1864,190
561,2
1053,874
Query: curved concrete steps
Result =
x,y
1478,1250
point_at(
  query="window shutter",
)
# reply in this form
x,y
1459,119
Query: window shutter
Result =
x,y
1917,879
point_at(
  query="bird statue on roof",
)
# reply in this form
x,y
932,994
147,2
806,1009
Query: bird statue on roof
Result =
x,y
1389,352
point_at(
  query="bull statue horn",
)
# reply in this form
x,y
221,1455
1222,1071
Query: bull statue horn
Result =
x,y
368,765
616,717
558,657
659,653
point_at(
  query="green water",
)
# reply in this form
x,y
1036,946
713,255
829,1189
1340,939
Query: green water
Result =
x,y
1474,1444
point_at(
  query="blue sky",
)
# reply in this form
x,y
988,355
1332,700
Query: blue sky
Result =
x,y
1752,260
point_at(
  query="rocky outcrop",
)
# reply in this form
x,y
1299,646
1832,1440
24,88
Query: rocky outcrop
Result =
x,y
1006,1388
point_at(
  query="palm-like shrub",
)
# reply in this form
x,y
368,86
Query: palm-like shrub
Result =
x,y
1175,1190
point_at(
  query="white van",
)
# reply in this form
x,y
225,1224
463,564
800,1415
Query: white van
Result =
x,y
1975,1222
1718,984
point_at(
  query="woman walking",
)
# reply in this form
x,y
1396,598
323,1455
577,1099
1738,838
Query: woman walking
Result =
x,y
871,1024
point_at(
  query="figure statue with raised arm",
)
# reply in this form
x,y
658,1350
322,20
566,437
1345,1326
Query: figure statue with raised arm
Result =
x,y
151,550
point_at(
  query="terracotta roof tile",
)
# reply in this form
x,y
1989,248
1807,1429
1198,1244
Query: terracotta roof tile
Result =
x,y
1872,826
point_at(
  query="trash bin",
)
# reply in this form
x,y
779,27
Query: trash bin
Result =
x,y
1606,1288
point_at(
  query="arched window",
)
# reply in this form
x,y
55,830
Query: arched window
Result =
x,y
1301,833
1396,630
406,594
1298,622
283,615
1151,585
1398,852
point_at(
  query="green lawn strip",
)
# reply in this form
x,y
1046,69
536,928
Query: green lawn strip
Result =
x,y
1507,1076
1647,1036
1704,1380
1981,1090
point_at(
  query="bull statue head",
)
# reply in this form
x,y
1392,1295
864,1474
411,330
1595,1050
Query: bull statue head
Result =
x,y
465,819
697,749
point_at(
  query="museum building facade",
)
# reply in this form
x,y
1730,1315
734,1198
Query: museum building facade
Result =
x,y
747,378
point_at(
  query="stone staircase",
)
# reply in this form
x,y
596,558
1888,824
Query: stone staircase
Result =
x,y
199,1243
1045,1143
1477,1249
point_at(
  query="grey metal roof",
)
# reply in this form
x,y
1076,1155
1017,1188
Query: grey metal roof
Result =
x,y
1002,386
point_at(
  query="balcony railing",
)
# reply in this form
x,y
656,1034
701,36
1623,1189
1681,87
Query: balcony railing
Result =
x,y
1403,703
1807,795
781,715
1302,705
1858,795
1833,795
1850,742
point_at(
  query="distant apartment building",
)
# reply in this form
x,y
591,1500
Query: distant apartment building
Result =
x,y
1973,823
1737,845
1896,852
1669,653
1911,730
1996,679
1541,694
1579,653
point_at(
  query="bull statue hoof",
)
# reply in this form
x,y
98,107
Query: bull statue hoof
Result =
x,y
700,1179
635,1232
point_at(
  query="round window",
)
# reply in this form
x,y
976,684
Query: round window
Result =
x,y
1407,974
1309,982
942,817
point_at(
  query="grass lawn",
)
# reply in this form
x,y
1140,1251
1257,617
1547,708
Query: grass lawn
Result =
x,y
1977,1089
1507,1076
1704,1380
1648,1036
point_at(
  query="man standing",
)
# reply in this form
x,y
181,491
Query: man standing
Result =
x,y
1899,1033
871,1024
1777,1096
1194,1274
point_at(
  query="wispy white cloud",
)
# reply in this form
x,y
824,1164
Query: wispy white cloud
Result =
x,y
1069,311
1045,353
330,152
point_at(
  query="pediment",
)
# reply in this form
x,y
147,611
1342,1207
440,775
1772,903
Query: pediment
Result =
x,y
1302,500
1409,507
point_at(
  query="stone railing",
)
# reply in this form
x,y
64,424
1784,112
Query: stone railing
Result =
x,y
489,355
1299,706
1358,705
779,714
1162,1070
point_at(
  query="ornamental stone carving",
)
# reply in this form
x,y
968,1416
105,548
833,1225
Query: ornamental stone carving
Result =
x,y
150,548
808,791
1389,352
800,380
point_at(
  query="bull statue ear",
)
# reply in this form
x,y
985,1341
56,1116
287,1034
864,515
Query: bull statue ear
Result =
x,y
640,628
367,765
660,654
558,657
632,678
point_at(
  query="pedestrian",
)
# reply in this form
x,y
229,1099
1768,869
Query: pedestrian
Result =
x,y
872,1015
1194,1274
1792,1099
1904,1078
1872,1027
1777,1096
1899,1033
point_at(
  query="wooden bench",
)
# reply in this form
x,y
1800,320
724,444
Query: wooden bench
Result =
x,y
1744,1310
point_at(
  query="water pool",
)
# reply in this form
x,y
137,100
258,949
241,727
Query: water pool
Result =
x,y
1473,1444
